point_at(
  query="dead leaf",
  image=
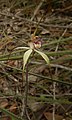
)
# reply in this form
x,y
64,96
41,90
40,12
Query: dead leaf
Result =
x,y
4,104
45,32
13,108
34,106
49,116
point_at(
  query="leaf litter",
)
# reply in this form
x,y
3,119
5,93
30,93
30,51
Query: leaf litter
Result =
x,y
16,28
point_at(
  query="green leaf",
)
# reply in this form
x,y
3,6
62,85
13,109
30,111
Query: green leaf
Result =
x,y
44,56
26,57
13,118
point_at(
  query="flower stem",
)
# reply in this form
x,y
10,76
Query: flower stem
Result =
x,y
25,95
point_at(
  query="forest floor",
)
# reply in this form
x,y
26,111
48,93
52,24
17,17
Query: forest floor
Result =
x,y
49,87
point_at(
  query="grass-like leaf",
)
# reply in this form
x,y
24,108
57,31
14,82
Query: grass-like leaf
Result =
x,y
26,57
13,116
16,57
44,56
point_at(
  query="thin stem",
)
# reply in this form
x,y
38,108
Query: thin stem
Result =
x,y
24,109
38,25
37,9
26,92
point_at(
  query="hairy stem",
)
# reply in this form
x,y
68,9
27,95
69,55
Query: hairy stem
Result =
x,y
24,109
26,91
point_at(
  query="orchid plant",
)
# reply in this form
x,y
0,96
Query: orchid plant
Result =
x,y
34,46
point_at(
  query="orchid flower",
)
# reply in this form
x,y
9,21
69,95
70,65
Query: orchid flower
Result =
x,y
34,46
